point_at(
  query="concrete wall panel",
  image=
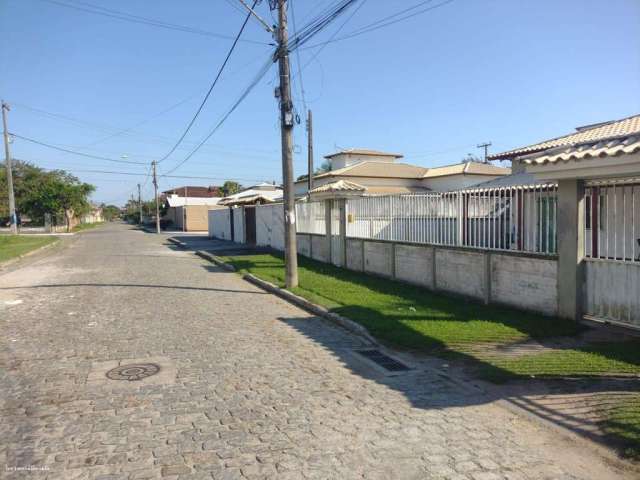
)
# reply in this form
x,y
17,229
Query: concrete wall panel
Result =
x,y
460,272
525,282
378,258
304,244
319,250
414,264
355,260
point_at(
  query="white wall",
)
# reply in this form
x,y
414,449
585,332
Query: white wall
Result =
x,y
301,188
238,225
219,224
455,182
348,159
270,225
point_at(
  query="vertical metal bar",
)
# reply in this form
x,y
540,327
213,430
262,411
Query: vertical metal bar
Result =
x,y
633,223
624,223
615,223
606,232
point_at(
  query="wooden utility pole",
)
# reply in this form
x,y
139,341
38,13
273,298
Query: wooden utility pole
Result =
x,y
286,127
155,188
184,211
310,150
7,152
140,203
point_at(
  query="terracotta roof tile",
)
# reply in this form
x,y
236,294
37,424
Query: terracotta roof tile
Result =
x,y
588,134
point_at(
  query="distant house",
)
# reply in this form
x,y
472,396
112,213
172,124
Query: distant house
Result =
x,y
187,206
254,195
93,216
194,192
379,173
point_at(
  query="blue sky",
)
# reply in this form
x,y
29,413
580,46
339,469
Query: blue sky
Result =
x,y
430,87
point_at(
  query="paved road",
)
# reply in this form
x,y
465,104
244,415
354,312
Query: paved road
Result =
x,y
248,387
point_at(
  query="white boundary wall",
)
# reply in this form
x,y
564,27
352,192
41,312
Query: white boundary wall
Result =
x,y
219,224
238,225
270,226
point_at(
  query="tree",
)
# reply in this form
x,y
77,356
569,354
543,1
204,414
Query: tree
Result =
x,y
39,192
230,187
110,212
324,167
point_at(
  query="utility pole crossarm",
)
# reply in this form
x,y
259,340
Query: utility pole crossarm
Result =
x,y
268,27
486,146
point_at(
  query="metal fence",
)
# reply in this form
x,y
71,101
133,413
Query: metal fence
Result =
x,y
521,218
612,212
310,217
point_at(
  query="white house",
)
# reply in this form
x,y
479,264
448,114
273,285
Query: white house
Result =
x,y
255,194
380,173
597,172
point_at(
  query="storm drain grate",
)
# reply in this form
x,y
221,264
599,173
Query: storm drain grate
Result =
x,y
386,362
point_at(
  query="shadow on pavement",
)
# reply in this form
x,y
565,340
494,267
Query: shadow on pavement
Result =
x,y
577,405
133,285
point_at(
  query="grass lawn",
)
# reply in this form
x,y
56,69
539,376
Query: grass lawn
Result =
x,y
12,246
86,226
411,317
623,422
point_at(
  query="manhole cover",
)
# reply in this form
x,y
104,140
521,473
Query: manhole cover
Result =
x,y
133,371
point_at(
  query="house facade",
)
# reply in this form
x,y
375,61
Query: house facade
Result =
x,y
597,173
187,206
380,173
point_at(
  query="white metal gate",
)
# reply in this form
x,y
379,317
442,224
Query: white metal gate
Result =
x,y
612,247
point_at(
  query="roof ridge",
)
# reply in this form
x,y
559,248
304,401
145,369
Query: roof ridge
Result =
x,y
540,145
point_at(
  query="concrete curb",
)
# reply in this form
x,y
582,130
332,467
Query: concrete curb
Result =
x,y
305,304
28,254
217,260
177,242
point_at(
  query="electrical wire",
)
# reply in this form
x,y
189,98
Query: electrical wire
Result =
x,y
215,81
319,23
73,152
153,139
381,23
316,53
260,75
96,10
299,63
134,174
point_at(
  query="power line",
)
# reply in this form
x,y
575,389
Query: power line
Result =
x,y
38,142
318,24
215,81
381,23
146,138
260,75
300,82
96,10
133,174
332,36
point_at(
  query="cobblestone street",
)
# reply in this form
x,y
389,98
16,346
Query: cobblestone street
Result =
x,y
248,385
